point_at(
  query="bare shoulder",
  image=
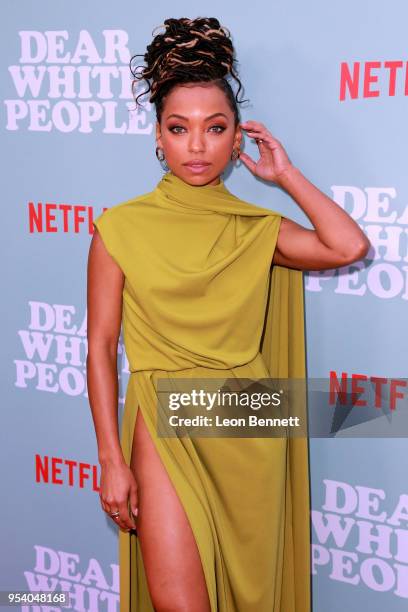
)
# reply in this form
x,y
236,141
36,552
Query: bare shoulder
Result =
x,y
105,281
101,264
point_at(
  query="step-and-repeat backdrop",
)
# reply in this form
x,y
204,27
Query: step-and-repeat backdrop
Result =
x,y
331,83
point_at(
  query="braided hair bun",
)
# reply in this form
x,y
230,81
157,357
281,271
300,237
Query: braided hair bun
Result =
x,y
189,50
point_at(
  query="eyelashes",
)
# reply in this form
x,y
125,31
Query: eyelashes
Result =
x,y
174,127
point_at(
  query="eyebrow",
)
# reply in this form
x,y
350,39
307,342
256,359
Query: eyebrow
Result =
x,y
206,119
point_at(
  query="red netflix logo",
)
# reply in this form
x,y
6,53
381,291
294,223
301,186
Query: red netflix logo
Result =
x,y
361,79
68,472
50,218
359,389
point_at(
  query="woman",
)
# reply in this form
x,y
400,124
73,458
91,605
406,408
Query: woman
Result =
x,y
206,285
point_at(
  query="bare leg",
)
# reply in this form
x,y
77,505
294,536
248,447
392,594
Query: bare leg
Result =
x,y
171,559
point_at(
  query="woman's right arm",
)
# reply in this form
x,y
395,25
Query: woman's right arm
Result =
x,y
105,282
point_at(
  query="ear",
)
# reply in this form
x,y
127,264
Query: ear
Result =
x,y
238,137
158,134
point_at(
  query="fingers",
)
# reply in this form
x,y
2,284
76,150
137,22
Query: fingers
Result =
x,y
248,161
253,125
124,519
259,136
105,506
258,131
133,500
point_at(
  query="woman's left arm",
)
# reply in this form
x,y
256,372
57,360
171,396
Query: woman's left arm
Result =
x,y
337,239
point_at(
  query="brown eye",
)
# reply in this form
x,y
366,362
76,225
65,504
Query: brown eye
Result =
x,y
171,129
221,127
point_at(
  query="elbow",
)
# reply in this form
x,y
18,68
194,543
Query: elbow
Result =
x,y
102,348
358,251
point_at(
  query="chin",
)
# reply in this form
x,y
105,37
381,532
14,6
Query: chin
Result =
x,y
199,178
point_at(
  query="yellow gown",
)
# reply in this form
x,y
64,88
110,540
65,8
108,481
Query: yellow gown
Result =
x,y
202,299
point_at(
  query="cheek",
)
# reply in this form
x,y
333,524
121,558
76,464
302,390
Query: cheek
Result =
x,y
174,146
221,145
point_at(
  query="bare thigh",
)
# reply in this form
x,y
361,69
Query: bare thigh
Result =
x,y
171,559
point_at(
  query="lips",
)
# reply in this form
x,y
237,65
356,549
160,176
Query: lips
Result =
x,y
196,163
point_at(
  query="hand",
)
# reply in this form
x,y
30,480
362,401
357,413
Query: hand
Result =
x,y
118,486
274,161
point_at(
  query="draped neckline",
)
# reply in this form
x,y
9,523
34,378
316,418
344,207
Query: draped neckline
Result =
x,y
205,199
196,198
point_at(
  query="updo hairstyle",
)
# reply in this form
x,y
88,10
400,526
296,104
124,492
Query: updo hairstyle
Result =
x,y
188,51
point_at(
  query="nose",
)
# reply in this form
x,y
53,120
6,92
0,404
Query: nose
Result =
x,y
196,141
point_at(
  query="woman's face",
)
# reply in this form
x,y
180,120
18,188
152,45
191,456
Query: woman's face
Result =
x,y
197,124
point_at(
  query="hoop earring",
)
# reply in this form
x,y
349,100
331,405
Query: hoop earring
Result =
x,y
235,154
161,158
